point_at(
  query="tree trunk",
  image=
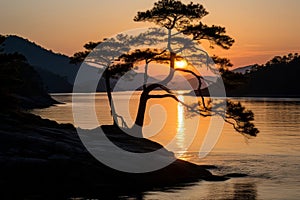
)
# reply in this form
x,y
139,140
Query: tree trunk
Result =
x,y
139,121
146,75
140,117
137,127
109,95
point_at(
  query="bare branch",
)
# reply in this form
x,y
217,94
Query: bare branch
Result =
x,y
116,116
190,108
199,83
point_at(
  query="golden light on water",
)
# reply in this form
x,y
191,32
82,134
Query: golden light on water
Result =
x,y
180,136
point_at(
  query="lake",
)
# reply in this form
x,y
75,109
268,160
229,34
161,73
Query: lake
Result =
x,y
272,159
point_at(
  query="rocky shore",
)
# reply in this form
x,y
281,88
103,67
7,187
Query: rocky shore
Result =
x,y
41,158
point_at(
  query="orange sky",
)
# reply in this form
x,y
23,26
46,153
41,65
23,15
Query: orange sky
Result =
x,y
261,28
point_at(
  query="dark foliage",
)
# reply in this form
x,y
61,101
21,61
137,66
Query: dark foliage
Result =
x,y
185,18
18,79
172,14
277,78
241,119
2,39
216,35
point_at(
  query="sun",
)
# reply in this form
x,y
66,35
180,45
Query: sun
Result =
x,y
181,64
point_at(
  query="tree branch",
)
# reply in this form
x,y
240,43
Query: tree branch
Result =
x,y
199,83
190,108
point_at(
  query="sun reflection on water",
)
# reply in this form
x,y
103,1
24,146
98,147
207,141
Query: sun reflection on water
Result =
x,y
180,136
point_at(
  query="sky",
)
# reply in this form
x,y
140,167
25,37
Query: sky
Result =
x,y
261,28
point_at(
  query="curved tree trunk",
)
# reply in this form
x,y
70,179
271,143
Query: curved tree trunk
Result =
x,y
139,121
137,127
140,117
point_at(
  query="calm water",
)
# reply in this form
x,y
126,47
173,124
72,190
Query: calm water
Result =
x,y
272,159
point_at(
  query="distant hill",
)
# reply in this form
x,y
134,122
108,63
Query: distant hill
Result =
x,y
57,73
243,70
38,56
20,85
277,78
53,82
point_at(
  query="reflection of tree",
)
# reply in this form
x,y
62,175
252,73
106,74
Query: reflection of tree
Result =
x,y
245,191
233,191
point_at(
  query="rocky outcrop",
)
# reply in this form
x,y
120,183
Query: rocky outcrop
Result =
x,y
42,158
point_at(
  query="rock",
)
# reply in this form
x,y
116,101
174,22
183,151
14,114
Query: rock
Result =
x,y
236,175
209,166
38,154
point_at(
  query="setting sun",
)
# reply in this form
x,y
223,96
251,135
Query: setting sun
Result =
x,y
181,64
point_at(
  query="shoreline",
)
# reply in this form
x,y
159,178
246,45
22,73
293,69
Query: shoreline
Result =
x,y
38,154
189,93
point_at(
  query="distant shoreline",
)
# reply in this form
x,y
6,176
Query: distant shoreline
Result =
x,y
189,93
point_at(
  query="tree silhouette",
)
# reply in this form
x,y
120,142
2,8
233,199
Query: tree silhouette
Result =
x,y
186,19
179,23
104,56
148,55
236,114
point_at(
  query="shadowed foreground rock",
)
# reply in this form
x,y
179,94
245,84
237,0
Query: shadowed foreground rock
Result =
x,y
41,158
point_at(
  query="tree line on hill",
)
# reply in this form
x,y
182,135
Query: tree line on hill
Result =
x,y
277,78
21,87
